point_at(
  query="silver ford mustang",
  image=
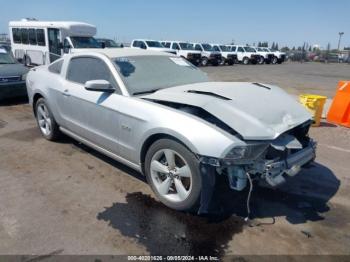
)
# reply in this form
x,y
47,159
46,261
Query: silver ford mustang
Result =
x,y
160,115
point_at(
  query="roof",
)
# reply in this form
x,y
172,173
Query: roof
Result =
x,y
121,52
61,24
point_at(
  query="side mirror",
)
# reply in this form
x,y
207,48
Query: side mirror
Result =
x,y
103,45
143,47
60,45
99,86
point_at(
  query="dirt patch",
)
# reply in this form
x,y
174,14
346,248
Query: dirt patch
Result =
x,y
25,135
2,123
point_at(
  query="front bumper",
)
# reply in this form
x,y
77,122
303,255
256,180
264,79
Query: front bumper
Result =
x,y
13,89
274,171
194,58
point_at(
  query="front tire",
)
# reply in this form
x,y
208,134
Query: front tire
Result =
x,y
274,60
173,173
46,122
204,61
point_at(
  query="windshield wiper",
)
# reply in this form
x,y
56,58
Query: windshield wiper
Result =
x,y
146,92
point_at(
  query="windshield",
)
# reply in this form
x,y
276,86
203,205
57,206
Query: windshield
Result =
x,y
249,49
260,49
154,44
225,48
207,47
186,46
84,42
267,50
6,58
143,74
110,43
216,48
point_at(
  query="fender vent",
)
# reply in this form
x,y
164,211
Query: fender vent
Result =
x,y
207,94
261,85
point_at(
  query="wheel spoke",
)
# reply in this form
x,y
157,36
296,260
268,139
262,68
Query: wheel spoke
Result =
x,y
159,167
184,171
164,186
181,190
41,112
42,122
170,158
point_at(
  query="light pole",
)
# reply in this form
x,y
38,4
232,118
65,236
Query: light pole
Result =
x,y
340,35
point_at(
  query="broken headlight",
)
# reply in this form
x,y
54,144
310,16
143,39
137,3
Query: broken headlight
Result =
x,y
245,154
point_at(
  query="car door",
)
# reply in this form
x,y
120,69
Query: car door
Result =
x,y
92,115
240,53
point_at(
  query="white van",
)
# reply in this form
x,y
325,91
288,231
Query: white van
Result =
x,y
42,42
148,44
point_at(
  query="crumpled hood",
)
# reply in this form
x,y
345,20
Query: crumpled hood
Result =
x,y
12,70
255,111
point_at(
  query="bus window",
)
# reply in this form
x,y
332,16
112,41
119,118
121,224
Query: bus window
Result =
x,y
16,35
24,34
32,36
40,37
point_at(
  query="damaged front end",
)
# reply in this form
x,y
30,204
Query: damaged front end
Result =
x,y
270,161
266,161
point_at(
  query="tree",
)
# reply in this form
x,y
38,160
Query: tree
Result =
x,y
327,52
273,46
276,46
293,48
285,49
259,44
310,48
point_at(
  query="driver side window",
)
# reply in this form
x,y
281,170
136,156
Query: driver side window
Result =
x,y
240,49
198,47
82,69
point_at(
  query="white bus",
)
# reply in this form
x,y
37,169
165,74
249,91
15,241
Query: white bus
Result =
x,y
41,42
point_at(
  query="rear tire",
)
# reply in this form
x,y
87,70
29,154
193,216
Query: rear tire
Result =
x,y
46,122
261,60
172,172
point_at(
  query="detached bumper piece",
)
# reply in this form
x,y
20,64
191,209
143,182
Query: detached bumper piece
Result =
x,y
274,171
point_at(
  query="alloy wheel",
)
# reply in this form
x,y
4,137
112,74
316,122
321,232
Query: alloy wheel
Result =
x,y
171,175
44,120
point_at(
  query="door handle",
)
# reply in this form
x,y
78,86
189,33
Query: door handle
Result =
x,y
66,92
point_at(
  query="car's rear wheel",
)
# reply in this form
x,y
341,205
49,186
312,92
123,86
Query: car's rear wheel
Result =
x,y
173,174
261,60
46,122
245,61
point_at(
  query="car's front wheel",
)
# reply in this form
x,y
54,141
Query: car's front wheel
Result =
x,y
274,60
204,61
173,174
46,122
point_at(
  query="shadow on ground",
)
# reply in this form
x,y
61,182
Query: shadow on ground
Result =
x,y
164,231
14,101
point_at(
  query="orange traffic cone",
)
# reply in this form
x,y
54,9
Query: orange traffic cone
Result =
x,y
339,112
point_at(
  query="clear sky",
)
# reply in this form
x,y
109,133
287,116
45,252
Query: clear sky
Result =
x,y
244,21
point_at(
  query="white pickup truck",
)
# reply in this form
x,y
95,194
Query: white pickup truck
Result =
x,y
228,57
209,56
245,54
185,50
150,45
279,57
265,55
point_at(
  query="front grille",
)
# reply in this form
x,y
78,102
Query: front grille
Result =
x,y
10,79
